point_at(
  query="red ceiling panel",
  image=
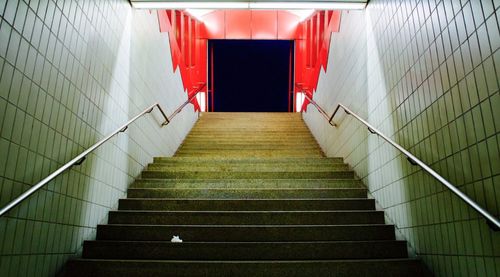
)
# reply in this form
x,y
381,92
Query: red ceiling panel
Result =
x,y
214,25
238,24
264,25
287,25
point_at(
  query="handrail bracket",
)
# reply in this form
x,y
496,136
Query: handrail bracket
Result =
x,y
78,160
493,222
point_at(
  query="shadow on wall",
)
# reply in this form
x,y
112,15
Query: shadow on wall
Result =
x,y
39,235
408,84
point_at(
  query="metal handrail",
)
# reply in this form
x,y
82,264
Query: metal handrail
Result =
x,y
179,109
492,221
81,157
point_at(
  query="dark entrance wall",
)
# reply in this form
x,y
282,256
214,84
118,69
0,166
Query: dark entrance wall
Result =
x,y
251,75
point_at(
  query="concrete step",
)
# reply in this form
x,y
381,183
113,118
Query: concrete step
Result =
x,y
249,233
237,251
282,134
251,153
227,193
247,183
245,205
339,268
250,136
246,217
255,139
198,174
266,161
269,147
247,145
248,167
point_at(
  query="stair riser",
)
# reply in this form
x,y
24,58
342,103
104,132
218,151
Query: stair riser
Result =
x,y
256,140
278,134
244,251
246,233
273,127
219,139
371,268
304,161
252,147
248,167
245,205
246,183
246,194
251,194
256,154
247,218
242,185
247,175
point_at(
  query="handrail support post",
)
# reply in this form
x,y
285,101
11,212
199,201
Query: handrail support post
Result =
x,y
78,160
492,221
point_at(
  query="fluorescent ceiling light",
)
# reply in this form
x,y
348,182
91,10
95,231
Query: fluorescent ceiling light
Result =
x,y
307,5
250,5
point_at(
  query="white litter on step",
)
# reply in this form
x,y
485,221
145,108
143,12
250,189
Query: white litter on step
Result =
x,y
176,239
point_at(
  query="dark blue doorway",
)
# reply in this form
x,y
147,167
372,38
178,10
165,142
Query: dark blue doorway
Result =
x,y
251,75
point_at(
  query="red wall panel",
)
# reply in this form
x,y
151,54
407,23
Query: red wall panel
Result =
x,y
188,49
264,25
287,25
215,25
188,40
311,49
238,24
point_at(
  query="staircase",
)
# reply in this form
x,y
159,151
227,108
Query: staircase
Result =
x,y
251,194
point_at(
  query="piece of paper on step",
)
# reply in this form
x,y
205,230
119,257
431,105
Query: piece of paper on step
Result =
x,y
176,239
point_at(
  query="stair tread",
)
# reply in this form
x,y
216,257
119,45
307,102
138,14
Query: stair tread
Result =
x,y
247,225
249,193
272,261
248,200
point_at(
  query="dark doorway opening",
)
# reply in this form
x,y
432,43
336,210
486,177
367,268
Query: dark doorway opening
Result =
x,y
250,75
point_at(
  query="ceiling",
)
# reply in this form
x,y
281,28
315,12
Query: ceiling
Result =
x,y
250,4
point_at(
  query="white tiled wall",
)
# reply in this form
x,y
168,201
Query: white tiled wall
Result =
x,y
70,73
426,73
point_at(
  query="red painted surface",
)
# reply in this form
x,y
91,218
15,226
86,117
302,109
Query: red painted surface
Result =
x,y
311,49
246,24
215,25
188,50
188,41
287,25
237,24
264,25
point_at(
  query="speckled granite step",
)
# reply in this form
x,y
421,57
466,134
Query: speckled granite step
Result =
x,y
251,194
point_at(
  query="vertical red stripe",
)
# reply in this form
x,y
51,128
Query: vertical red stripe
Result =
x,y
212,76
